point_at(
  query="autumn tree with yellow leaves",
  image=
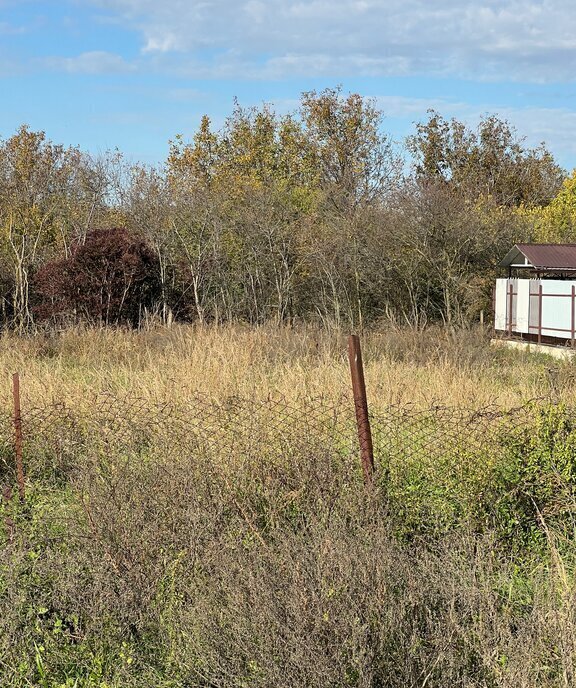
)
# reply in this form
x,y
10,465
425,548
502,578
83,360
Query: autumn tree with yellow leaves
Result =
x,y
314,214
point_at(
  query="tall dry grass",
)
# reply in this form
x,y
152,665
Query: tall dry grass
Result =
x,y
135,563
402,366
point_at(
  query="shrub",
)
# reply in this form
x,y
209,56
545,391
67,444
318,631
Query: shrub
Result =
x,y
152,572
111,278
534,485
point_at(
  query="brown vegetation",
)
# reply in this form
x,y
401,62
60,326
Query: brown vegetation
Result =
x,y
312,216
142,557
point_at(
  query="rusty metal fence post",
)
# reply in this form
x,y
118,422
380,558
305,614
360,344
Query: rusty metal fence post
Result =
x,y
510,306
572,317
18,435
540,294
361,405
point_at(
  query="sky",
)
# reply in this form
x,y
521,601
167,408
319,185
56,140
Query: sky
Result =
x,y
131,74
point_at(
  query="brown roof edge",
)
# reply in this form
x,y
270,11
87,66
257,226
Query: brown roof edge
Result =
x,y
544,256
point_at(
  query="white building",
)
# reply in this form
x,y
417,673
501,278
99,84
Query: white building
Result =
x,y
537,301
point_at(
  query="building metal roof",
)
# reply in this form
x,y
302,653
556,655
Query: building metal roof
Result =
x,y
541,257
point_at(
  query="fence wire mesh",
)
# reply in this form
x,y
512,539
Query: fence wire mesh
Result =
x,y
125,424
56,434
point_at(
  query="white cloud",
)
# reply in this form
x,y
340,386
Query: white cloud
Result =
x,y
504,39
554,127
416,108
94,62
7,29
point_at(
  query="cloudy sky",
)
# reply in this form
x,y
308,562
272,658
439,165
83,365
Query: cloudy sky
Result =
x,y
133,73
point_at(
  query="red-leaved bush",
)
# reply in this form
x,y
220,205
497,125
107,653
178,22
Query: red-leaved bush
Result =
x,y
111,278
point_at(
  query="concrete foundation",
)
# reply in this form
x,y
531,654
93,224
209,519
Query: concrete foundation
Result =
x,y
561,352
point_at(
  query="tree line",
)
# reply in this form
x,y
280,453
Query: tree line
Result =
x,y
313,215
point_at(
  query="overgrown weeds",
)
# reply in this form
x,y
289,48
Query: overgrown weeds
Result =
x,y
148,556
156,570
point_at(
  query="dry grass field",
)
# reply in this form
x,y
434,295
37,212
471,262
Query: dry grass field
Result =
x,y
142,557
402,366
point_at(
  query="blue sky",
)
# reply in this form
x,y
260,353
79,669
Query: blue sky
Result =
x,y
131,74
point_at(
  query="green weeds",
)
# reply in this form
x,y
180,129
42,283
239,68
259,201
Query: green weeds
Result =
x,y
274,566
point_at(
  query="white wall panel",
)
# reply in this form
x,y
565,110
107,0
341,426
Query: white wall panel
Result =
x,y
500,304
522,305
557,308
557,305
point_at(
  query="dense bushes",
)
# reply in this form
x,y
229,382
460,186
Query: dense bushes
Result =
x,y
537,483
110,278
151,569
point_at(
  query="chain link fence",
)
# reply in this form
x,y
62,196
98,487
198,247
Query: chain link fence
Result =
x,y
55,435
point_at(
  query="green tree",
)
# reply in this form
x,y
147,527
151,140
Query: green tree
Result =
x,y
34,178
355,159
239,197
255,149
491,161
556,222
